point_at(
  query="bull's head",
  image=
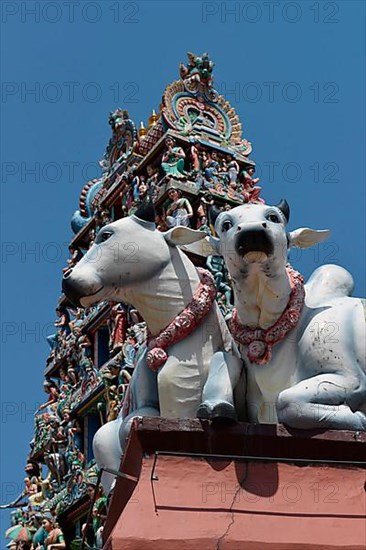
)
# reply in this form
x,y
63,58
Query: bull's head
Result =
x,y
255,235
125,253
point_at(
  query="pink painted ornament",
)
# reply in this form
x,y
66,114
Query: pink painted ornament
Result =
x,y
184,324
260,341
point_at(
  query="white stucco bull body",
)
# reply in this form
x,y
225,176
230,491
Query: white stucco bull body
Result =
x,y
132,262
316,376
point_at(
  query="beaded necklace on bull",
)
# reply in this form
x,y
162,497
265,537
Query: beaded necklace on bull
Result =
x,y
184,324
260,341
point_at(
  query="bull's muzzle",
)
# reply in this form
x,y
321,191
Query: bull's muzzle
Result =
x,y
75,288
254,239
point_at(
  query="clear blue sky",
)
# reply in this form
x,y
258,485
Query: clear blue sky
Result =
x,y
294,72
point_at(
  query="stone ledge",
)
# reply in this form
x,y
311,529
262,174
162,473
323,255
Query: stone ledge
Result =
x,y
172,459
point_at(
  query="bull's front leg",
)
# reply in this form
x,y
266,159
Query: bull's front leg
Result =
x,y
218,392
110,440
143,397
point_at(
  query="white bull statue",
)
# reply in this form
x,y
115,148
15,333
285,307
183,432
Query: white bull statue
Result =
x,y
191,364
303,345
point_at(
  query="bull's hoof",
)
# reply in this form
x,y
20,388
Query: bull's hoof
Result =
x,y
220,411
224,411
204,411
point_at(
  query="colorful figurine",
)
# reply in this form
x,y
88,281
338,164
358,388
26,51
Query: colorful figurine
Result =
x,y
211,168
152,179
195,159
63,321
202,213
93,531
52,391
173,160
250,191
117,328
217,267
72,429
232,169
179,211
197,75
55,539
76,255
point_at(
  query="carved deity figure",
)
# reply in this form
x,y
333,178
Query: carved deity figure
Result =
x,y
55,537
217,267
173,160
117,327
195,159
63,320
152,180
129,352
197,75
73,433
51,390
202,212
30,486
211,167
180,210
232,169
75,256
93,532
250,190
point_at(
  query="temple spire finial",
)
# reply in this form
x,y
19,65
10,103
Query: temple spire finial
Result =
x,y
197,76
142,130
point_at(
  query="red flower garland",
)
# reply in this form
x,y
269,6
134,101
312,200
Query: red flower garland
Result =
x,y
184,324
260,341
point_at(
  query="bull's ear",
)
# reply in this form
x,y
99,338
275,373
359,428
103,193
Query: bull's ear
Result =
x,y
146,210
213,214
305,237
215,245
205,247
181,235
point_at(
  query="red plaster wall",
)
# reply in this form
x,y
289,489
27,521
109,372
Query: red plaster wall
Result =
x,y
195,504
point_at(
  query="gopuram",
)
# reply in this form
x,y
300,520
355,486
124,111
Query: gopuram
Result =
x,y
191,402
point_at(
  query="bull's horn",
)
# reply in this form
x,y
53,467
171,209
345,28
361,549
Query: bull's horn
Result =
x,y
213,214
146,211
284,207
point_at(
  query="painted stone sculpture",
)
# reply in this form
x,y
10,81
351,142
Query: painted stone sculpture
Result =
x,y
173,160
197,75
179,211
303,345
191,364
86,209
117,328
123,140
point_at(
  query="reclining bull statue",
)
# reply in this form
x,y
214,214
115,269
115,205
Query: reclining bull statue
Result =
x,y
191,363
303,345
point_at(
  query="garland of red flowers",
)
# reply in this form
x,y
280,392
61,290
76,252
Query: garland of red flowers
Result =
x,y
184,324
260,341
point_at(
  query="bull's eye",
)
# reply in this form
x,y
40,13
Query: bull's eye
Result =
x,y
104,236
273,218
226,225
